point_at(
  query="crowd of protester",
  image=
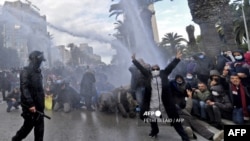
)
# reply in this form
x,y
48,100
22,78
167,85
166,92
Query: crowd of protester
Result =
x,y
206,90
221,89
201,89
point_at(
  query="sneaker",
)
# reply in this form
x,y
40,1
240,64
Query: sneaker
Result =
x,y
189,132
218,136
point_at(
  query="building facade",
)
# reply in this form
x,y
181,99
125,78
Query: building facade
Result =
x,y
23,29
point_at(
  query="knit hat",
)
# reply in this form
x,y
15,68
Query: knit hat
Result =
x,y
242,70
217,88
214,72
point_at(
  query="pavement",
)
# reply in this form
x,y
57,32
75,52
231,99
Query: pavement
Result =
x,y
83,125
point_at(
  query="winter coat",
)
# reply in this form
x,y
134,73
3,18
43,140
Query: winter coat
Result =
x,y
221,61
166,97
203,65
68,95
137,79
179,90
237,63
228,87
202,96
193,82
119,98
31,87
88,87
222,101
5,82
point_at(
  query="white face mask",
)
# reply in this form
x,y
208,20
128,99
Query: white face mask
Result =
x,y
189,76
155,73
201,56
238,57
215,93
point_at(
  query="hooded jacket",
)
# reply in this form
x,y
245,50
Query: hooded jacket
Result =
x,y
179,90
222,101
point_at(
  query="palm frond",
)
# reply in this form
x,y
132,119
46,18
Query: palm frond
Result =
x,y
115,7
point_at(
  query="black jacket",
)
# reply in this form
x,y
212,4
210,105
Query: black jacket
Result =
x,y
88,84
167,99
68,95
31,86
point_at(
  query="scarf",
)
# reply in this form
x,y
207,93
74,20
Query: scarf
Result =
x,y
243,99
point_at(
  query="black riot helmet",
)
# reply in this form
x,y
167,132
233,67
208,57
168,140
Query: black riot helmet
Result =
x,y
36,56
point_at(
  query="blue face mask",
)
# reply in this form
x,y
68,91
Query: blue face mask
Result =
x,y
201,56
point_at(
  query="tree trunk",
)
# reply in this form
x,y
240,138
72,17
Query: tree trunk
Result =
x,y
228,27
210,39
205,14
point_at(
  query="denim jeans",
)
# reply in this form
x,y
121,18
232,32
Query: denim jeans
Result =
x,y
139,94
199,108
214,113
238,115
12,104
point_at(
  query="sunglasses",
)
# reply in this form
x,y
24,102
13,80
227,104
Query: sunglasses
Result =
x,y
153,69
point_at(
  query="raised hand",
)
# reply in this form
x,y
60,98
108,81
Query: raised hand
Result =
x,y
133,56
178,55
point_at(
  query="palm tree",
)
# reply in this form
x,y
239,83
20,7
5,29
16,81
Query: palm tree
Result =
x,y
239,26
172,40
206,17
128,28
205,14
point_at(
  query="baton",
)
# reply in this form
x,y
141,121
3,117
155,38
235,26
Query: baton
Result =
x,y
39,112
42,114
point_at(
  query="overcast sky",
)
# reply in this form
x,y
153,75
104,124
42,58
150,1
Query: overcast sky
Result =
x,y
86,17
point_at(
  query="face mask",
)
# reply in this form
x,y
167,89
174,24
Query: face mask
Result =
x,y
215,93
189,76
238,57
201,56
179,82
155,73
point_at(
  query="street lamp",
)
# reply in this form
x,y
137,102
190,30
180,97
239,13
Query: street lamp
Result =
x,y
245,24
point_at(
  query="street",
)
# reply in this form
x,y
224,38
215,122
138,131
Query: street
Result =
x,y
83,125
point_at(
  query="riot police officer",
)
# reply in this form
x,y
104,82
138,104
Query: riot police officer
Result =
x,y
32,98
